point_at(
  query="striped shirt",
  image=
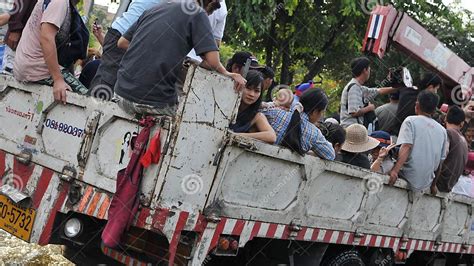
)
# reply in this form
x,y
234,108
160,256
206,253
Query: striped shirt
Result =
x,y
353,101
311,136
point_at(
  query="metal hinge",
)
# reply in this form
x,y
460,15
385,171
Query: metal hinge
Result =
x,y
220,151
24,157
68,174
86,144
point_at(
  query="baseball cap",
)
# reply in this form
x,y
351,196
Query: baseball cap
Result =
x,y
383,137
240,58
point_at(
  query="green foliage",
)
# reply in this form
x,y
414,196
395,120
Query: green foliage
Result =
x,y
302,39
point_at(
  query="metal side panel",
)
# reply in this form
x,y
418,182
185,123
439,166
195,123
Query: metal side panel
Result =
x,y
205,112
267,183
34,124
425,216
112,149
88,136
456,225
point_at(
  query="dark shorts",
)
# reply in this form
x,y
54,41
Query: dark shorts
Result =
x,y
136,108
76,85
106,76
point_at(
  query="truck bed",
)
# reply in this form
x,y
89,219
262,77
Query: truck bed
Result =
x,y
240,186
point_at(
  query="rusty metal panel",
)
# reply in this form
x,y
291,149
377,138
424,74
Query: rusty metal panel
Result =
x,y
207,108
89,136
270,177
456,224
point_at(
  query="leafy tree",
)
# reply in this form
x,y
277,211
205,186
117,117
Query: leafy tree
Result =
x,y
309,39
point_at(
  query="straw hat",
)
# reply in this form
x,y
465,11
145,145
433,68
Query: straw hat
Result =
x,y
358,140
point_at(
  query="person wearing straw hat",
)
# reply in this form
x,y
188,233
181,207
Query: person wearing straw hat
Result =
x,y
357,144
423,145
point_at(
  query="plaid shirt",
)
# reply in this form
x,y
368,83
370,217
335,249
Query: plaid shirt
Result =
x,y
311,136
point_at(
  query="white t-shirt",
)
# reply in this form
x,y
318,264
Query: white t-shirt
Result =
x,y
217,20
464,186
429,149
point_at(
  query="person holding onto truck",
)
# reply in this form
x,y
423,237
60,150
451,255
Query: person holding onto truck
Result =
x,y
456,158
357,144
16,23
37,55
147,75
106,75
423,145
297,130
250,122
355,99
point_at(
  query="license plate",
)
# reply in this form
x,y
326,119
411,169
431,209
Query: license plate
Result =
x,y
16,220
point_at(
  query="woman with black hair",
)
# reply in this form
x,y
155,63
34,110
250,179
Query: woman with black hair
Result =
x,y
298,131
250,122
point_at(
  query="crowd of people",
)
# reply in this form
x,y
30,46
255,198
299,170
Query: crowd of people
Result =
x,y
141,64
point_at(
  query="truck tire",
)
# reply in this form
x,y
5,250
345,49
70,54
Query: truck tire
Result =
x,y
345,258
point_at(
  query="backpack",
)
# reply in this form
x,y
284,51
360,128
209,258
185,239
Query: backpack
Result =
x,y
76,46
369,118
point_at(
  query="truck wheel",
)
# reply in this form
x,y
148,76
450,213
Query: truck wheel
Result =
x,y
345,258
84,256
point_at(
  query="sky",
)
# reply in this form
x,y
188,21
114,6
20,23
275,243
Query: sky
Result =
x,y
467,4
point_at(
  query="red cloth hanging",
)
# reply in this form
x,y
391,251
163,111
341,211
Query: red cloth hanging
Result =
x,y
153,153
126,200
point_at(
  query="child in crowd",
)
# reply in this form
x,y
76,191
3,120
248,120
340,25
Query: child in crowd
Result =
x,y
334,133
469,133
381,156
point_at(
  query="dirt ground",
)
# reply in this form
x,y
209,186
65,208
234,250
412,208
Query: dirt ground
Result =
x,y
14,251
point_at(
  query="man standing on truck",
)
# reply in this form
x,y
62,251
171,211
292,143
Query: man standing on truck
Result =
x,y
423,148
106,75
355,99
456,159
217,19
36,56
156,46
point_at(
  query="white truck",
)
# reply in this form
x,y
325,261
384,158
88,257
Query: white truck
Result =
x,y
214,198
